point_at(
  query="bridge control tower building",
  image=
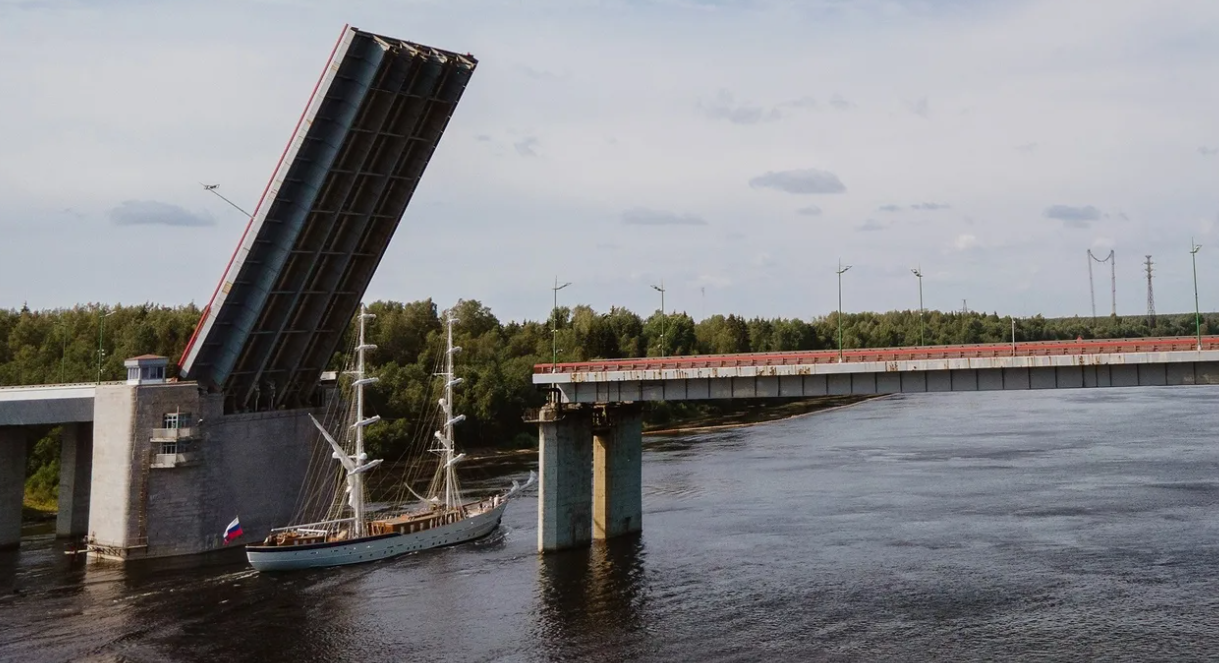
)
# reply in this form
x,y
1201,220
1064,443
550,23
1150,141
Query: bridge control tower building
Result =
x,y
174,461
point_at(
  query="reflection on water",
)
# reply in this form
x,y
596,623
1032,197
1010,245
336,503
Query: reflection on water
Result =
x,y
1050,526
589,601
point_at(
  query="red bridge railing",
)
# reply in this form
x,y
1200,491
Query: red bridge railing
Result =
x,y
1028,349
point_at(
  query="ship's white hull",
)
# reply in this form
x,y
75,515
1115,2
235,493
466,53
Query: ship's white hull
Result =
x,y
368,549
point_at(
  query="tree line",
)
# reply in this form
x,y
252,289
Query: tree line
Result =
x,y
86,342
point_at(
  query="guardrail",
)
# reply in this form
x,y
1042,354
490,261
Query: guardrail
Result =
x,y
1025,349
60,386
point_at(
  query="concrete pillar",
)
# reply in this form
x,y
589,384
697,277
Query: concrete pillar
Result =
x,y
12,485
75,473
565,450
617,471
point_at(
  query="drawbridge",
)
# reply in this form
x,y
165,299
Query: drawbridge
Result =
x,y
324,220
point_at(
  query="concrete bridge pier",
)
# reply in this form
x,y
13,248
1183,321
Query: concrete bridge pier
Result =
x,y
617,470
75,474
12,485
565,487
590,481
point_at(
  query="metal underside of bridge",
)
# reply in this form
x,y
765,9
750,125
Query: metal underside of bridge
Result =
x,y
325,220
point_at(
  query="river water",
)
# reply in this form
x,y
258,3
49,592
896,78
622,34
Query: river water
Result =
x,y
1056,526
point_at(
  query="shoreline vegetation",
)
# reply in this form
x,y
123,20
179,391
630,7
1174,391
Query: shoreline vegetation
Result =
x,y
744,416
63,346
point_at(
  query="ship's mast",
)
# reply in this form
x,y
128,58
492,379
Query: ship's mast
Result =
x,y
356,479
447,459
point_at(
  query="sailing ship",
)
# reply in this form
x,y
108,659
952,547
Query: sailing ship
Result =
x,y
442,518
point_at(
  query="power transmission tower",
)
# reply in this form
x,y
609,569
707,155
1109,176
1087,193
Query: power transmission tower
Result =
x,y
1151,298
1112,280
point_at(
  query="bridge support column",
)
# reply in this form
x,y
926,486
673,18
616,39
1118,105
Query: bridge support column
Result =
x,y
565,451
75,475
12,485
617,471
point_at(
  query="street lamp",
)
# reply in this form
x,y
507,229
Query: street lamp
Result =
x,y
1193,258
63,339
918,272
841,270
661,289
101,328
554,332
213,188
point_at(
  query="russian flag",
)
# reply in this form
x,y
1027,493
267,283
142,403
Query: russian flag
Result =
x,y
232,531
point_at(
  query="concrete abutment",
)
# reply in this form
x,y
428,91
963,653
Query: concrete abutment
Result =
x,y
590,474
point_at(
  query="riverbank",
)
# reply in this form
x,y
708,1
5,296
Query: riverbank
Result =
x,y
33,513
754,414
718,417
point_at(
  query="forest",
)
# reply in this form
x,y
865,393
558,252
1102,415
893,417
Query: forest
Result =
x,y
89,343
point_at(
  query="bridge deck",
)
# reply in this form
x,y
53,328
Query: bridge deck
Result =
x,y
1042,365
48,404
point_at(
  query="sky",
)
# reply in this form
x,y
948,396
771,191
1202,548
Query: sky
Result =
x,y
735,150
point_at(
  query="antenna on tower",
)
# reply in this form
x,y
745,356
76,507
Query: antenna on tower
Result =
x,y
1112,280
1151,298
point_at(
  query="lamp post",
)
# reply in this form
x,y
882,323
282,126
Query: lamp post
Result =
x,y
841,270
661,289
101,328
554,331
63,340
1193,258
919,273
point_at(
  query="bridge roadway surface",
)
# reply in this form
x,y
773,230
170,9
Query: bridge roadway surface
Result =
x,y
981,367
48,404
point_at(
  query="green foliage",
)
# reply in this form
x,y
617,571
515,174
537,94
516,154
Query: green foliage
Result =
x,y
498,358
42,472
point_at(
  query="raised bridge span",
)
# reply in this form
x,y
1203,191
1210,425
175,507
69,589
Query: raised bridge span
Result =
x,y
980,367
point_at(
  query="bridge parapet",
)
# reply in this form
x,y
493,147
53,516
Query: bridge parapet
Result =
x,y
761,379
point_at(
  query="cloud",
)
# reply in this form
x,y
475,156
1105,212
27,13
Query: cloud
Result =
x,y
870,225
524,146
920,107
929,207
763,259
607,246
889,208
799,181
152,212
802,102
1027,147
1073,217
839,103
964,242
539,74
641,216
482,138
811,210
1208,151
725,107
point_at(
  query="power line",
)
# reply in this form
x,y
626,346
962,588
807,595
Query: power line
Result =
x,y
1151,298
1112,280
